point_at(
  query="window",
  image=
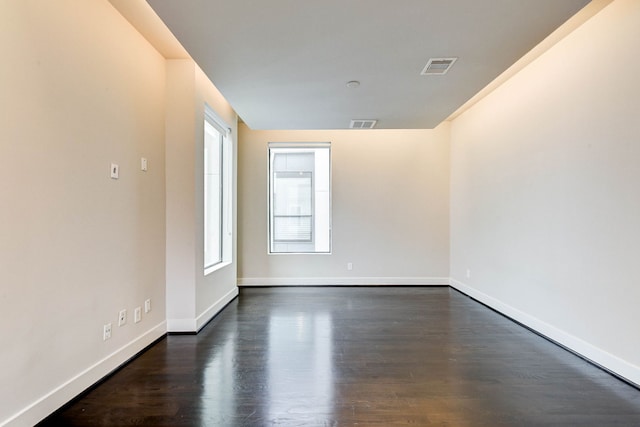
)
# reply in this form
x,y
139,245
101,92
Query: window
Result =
x,y
217,191
299,198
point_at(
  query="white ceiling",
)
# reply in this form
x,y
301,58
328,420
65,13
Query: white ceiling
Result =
x,y
284,64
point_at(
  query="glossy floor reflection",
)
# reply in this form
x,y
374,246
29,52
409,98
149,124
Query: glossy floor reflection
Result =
x,y
357,356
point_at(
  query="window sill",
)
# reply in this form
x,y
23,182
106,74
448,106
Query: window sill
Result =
x,y
216,267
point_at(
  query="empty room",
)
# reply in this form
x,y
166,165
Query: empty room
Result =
x,y
336,213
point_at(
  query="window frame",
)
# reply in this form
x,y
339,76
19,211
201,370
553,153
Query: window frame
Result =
x,y
225,189
271,241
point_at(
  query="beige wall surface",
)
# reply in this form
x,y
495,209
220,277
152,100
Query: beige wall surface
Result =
x,y
192,297
214,289
545,205
390,196
80,89
542,220
180,191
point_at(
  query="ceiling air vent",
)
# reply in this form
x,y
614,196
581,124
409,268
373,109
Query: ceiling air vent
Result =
x,y
362,124
438,66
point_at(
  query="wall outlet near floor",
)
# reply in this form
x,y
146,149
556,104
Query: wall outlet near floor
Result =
x,y
349,266
122,317
137,315
147,305
468,273
106,332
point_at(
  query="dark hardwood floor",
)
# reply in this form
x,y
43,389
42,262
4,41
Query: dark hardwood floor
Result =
x,y
377,356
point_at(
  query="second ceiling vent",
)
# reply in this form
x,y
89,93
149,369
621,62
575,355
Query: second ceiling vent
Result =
x,y
438,66
362,124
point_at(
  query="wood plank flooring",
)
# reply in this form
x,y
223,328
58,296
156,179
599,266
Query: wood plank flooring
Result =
x,y
378,356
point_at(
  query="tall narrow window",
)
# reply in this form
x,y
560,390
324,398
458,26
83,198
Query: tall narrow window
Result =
x,y
299,198
217,191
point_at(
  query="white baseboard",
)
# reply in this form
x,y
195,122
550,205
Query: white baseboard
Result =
x,y
608,361
215,308
194,325
343,281
53,400
62,394
181,325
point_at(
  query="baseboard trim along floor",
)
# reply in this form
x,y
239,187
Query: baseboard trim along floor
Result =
x,y
343,281
615,366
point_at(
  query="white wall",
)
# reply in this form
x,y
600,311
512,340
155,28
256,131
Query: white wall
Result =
x,y
216,289
80,89
192,297
390,215
181,197
545,205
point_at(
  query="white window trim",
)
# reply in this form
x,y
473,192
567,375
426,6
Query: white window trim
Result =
x,y
226,228
309,145
216,267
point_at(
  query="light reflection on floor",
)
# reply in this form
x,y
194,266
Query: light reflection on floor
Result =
x,y
218,382
300,346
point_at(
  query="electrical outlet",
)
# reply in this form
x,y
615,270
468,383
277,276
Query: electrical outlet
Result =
x,y
147,305
122,317
468,273
137,315
143,164
106,332
349,266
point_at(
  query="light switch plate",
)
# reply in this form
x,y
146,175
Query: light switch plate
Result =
x,y
115,171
